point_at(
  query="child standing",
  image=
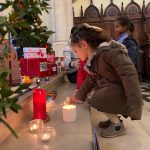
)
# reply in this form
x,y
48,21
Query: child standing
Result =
x,y
123,32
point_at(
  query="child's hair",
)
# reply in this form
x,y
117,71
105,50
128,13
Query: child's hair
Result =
x,y
92,36
131,27
73,30
126,22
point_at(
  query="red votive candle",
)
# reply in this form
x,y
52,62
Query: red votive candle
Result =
x,y
39,104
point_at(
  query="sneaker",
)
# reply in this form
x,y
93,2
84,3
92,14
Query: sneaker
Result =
x,y
104,124
113,130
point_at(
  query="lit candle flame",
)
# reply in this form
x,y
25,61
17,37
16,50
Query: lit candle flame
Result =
x,y
67,101
34,126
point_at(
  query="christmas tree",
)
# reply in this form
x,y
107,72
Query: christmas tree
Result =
x,y
26,24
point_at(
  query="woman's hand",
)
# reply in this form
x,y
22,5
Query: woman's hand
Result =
x,y
70,100
75,100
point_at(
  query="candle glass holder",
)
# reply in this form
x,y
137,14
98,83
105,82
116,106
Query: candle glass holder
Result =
x,y
36,125
48,134
48,107
52,106
46,78
38,81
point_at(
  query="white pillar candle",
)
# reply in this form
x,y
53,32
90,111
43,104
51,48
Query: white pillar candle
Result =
x,y
69,113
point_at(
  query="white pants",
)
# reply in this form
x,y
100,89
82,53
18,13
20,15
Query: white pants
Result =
x,y
113,117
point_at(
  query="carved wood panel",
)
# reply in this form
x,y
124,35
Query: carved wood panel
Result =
x,y
112,10
92,12
148,10
140,16
133,10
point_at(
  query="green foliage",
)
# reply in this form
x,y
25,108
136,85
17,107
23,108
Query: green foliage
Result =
x,y
26,27
5,27
4,53
6,100
25,23
9,127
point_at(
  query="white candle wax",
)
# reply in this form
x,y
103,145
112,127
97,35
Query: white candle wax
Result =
x,y
45,137
69,113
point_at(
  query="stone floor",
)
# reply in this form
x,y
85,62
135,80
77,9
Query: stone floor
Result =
x,y
138,132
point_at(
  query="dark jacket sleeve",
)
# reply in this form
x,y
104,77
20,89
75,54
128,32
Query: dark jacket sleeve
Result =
x,y
126,71
86,87
132,48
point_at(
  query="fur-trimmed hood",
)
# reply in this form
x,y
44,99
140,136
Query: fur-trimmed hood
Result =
x,y
105,46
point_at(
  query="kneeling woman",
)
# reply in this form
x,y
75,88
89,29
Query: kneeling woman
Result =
x,y
112,85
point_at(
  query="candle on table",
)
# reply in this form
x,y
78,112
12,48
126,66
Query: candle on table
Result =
x,y
39,104
34,128
69,113
36,125
46,78
38,80
47,134
45,137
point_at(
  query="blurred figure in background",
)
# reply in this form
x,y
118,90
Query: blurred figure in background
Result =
x,y
124,29
71,60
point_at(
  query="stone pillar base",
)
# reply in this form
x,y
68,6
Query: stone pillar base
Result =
x,y
58,47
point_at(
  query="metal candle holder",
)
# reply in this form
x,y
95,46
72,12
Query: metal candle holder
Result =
x,y
46,78
38,81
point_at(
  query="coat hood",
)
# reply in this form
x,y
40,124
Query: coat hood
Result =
x,y
105,46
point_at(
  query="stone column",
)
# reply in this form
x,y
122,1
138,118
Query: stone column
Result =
x,y
62,22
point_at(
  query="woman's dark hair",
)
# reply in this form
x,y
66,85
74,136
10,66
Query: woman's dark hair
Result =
x,y
126,22
73,30
131,27
90,35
